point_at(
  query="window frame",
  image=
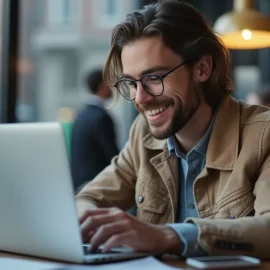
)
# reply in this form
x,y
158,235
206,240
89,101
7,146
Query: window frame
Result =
x,y
9,60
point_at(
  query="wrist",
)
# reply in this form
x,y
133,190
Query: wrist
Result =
x,y
173,243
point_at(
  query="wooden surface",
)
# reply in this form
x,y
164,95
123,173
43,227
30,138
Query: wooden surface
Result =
x,y
172,261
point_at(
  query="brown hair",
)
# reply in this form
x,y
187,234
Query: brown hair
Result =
x,y
93,80
185,31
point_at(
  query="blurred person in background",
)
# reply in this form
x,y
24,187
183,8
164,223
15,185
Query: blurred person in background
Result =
x,y
93,140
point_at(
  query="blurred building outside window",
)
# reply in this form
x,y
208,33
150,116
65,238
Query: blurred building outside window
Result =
x,y
64,13
112,12
59,42
247,79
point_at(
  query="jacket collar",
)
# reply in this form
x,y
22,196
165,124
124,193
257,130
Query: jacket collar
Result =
x,y
150,142
223,145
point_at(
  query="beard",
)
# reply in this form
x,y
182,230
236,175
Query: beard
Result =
x,y
184,109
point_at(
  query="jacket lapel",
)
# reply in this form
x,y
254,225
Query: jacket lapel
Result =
x,y
167,168
222,150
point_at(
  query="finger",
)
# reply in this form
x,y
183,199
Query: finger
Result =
x,y
92,212
90,235
129,239
94,222
106,231
87,237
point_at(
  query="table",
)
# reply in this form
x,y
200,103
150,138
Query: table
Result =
x,y
172,261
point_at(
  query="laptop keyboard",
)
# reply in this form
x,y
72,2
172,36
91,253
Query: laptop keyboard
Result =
x,y
98,251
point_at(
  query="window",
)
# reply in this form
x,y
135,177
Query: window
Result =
x,y
59,42
114,11
63,13
247,80
111,8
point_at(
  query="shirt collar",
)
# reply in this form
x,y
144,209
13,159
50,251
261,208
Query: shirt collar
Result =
x,y
95,100
170,144
200,147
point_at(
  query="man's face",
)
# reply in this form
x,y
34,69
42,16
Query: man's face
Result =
x,y
105,91
166,114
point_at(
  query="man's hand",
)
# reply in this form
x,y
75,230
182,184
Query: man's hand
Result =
x,y
113,227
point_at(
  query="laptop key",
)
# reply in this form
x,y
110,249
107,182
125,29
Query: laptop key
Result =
x,y
98,251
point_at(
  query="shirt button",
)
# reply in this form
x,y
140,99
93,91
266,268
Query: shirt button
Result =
x,y
140,199
191,206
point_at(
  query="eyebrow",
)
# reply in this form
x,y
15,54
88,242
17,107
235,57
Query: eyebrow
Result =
x,y
147,71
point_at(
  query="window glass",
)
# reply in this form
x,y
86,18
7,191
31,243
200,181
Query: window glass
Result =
x,y
63,13
113,11
59,42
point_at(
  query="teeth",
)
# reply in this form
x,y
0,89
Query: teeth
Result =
x,y
156,111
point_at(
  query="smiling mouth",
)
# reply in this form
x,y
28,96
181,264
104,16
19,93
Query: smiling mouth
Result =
x,y
156,111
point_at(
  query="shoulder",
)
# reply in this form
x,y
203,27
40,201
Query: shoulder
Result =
x,y
92,112
252,114
255,126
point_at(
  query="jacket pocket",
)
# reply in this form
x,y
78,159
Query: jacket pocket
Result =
x,y
151,202
240,206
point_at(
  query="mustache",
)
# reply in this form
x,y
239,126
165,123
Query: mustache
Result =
x,y
153,105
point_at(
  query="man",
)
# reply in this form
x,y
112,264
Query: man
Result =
x,y
93,142
197,161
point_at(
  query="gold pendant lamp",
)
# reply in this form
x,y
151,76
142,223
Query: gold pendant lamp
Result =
x,y
244,27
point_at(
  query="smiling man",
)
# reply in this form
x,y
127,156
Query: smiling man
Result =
x,y
197,160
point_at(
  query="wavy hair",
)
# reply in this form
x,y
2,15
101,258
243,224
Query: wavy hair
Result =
x,y
184,30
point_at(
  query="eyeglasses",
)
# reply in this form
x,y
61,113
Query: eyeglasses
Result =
x,y
152,84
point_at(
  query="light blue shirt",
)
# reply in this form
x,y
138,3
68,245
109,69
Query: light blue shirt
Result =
x,y
190,166
95,100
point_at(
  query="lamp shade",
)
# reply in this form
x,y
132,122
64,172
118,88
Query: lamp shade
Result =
x,y
244,27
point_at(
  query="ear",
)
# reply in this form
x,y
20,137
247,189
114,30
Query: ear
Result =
x,y
202,70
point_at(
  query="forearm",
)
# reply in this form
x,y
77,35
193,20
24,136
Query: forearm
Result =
x,y
246,236
82,205
113,187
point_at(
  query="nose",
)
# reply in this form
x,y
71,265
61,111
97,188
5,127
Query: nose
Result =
x,y
142,97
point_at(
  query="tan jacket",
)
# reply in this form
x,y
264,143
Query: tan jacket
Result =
x,y
231,193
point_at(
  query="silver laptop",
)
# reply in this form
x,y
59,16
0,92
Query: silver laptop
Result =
x,y
37,208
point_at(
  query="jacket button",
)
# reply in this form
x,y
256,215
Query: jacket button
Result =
x,y
140,199
191,206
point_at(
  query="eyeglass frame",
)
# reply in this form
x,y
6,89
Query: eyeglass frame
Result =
x,y
161,77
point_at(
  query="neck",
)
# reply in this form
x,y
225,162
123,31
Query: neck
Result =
x,y
99,97
195,128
